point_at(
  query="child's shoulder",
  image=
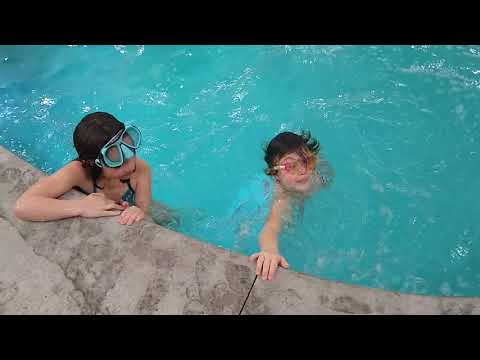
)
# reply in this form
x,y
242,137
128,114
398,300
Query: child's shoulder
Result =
x,y
74,168
142,165
74,165
70,175
75,171
279,193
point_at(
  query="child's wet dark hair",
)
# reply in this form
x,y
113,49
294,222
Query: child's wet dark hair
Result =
x,y
288,142
91,134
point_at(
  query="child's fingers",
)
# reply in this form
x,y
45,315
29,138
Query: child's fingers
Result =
x,y
113,206
254,257
260,261
283,263
128,220
131,219
125,213
273,269
124,217
266,268
109,213
124,204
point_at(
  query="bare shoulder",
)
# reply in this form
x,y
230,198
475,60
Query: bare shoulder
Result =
x,y
142,166
142,174
280,200
279,193
74,165
75,172
63,180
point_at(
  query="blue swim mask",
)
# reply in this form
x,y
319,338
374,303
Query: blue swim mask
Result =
x,y
120,148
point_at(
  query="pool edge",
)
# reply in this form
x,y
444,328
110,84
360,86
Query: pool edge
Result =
x,y
158,271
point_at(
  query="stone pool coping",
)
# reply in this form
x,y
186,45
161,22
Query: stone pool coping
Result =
x,y
97,266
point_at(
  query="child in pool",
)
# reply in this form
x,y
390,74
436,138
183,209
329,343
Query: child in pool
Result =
x,y
293,161
107,170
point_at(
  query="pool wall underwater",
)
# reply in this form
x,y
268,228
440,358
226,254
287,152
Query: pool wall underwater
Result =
x,y
96,266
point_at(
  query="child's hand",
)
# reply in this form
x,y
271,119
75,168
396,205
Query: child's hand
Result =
x,y
267,263
131,214
97,205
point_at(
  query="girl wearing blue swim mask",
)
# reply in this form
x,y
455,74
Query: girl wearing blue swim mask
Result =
x,y
107,170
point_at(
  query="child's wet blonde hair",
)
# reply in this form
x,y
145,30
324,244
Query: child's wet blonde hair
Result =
x,y
287,143
304,145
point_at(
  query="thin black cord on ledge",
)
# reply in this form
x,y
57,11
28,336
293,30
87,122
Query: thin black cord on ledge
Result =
x,y
248,295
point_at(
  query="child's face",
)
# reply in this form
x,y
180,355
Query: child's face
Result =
x,y
122,172
128,166
294,171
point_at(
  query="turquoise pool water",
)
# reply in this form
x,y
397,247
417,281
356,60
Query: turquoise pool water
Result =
x,y
399,124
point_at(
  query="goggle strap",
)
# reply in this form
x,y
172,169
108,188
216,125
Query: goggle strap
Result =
x,y
98,163
115,138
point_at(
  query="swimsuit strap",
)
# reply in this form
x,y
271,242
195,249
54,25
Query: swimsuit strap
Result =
x,y
129,185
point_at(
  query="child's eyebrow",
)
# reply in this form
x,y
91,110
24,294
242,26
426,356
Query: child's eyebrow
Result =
x,y
291,157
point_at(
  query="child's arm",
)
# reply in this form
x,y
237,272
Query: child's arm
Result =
x,y
40,203
143,196
143,192
268,258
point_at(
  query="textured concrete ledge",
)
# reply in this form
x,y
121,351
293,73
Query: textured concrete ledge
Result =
x,y
299,294
96,266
